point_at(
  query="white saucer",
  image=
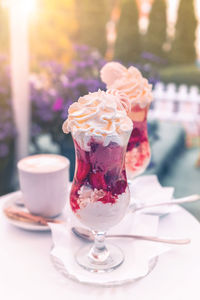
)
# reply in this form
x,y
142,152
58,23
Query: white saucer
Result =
x,y
13,199
140,256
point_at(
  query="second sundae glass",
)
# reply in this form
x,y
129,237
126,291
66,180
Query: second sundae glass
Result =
x,y
100,193
138,151
131,84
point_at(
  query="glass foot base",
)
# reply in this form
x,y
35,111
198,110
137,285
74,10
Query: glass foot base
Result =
x,y
62,262
114,259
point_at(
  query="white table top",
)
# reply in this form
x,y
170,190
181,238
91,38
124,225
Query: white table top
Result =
x,y
26,271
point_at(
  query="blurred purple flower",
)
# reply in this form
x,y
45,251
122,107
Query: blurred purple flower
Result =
x,y
81,48
152,57
51,99
58,104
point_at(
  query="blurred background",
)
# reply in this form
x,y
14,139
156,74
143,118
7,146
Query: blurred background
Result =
x,y
51,53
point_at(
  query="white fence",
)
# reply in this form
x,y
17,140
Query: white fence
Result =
x,y
181,104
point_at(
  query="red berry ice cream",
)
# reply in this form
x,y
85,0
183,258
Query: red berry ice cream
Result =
x,y
131,83
101,129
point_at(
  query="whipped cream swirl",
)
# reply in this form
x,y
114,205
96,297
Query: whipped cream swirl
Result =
x,y
99,115
124,99
128,81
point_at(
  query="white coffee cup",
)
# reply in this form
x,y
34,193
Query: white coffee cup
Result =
x,y
44,181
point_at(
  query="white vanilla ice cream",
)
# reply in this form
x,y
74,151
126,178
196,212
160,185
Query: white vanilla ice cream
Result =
x,y
101,216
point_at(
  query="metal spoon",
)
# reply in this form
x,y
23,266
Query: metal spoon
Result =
x,y
87,235
135,207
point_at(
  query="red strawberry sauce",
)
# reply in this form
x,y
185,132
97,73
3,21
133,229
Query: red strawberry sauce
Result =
x,y
101,168
139,135
138,149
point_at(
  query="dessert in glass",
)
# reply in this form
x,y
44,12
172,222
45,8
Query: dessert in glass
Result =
x,y
99,195
131,83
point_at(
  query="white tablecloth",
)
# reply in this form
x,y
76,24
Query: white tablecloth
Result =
x,y
26,271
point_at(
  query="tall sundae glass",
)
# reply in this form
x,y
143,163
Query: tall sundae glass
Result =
x,y
99,195
131,83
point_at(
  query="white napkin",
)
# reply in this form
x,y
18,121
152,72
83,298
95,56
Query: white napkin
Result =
x,y
138,254
147,190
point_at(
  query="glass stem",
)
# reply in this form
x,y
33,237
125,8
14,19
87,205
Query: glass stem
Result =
x,y
99,253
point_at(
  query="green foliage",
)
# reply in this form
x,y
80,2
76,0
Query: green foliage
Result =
x,y
51,31
92,17
183,46
127,46
156,34
4,30
187,74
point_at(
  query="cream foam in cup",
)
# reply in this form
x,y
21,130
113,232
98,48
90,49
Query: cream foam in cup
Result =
x,y
44,182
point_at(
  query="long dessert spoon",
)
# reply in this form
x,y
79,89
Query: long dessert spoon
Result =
x,y
136,206
87,235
